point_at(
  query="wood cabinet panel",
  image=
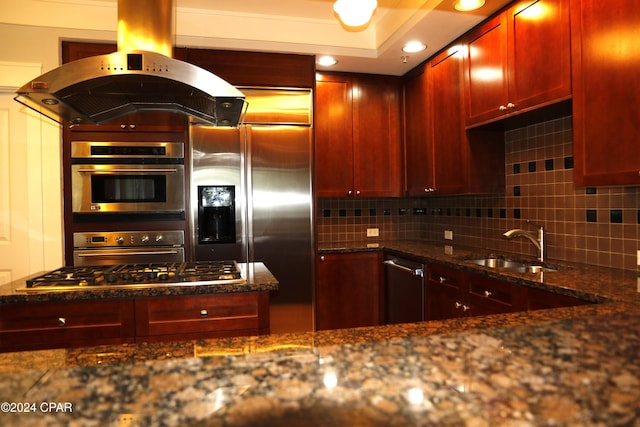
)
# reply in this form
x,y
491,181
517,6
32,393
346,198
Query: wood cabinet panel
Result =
x,y
606,92
510,67
492,296
445,293
65,324
441,158
202,316
538,299
418,145
334,136
349,290
358,140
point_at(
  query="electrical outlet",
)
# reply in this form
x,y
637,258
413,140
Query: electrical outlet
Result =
x,y
448,235
373,232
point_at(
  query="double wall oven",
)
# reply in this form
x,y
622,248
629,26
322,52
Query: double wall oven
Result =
x,y
127,202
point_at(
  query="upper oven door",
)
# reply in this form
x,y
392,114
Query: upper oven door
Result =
x,y
98,188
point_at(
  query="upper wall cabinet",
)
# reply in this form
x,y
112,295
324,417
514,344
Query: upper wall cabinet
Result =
x,y
518,61
606,92
440,157
357,135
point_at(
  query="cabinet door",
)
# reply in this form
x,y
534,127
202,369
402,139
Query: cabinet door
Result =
x,y
450,146
446,293
539,53
65,324
348,292
202,316
334,136
606,92
418,150
377,143
486,71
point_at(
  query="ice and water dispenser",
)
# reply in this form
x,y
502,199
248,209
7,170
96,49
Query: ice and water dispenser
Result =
x,y
216,214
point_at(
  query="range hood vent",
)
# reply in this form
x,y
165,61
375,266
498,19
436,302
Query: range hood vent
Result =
x,y
101,88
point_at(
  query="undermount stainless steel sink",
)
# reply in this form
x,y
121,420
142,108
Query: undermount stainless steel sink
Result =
x,y
511,265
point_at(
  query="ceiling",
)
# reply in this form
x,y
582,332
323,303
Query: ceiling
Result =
x,y
287,26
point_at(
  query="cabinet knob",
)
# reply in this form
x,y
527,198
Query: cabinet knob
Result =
x,y
62,321
349,193
502,108
322,258
204,313
357,192
132,126
442,279
123,126
487,294
429,190
511,105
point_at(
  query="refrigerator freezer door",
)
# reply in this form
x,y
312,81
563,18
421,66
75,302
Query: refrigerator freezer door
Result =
x,y
280,211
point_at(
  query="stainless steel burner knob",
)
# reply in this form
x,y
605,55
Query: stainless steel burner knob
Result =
x,y
159,238
144,238
119,240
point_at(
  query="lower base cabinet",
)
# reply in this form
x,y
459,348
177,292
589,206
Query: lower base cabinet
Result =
x,y
67,324
202,316
452,293
349,290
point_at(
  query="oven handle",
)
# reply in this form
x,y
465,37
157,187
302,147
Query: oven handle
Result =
x,y
172,170
160,252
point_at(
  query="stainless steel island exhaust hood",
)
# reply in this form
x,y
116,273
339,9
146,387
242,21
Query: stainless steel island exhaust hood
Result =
x,y
140,76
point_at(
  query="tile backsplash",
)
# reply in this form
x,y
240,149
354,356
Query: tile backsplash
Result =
x,y
594,225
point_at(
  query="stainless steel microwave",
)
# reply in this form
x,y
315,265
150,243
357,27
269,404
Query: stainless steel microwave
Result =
x,y
127,177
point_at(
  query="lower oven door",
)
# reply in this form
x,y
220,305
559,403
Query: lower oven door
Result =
x,y
143,255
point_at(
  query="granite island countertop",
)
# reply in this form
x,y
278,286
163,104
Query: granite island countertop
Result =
x,y
572,366
257,279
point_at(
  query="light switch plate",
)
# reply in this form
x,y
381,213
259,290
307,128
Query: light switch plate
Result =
x,y
373,232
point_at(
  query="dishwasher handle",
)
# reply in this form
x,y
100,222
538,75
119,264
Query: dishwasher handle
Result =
x,y
419,272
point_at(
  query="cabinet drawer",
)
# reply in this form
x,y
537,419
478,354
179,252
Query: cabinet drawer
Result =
x,y
445,276
203,316
493,290
65,324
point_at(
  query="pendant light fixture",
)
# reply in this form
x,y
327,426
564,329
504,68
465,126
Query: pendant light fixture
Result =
x,y
355,13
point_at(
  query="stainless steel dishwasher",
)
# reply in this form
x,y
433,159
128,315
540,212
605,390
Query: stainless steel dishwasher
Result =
x,y
404,290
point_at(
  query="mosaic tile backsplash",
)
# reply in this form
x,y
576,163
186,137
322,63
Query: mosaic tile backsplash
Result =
x,y
594,225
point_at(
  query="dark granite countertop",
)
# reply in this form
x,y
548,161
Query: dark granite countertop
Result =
x,y
573,366
258,278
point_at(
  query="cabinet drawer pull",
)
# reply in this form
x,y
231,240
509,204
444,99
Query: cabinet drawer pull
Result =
x,y
62,321
204,313
464,307
442,279
487,294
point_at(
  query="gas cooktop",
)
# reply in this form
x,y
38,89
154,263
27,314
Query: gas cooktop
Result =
x,y
138,275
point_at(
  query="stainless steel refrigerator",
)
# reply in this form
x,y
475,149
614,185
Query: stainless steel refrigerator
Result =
x,y
251,197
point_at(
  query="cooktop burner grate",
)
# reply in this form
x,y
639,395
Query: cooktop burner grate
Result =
x,y
139,274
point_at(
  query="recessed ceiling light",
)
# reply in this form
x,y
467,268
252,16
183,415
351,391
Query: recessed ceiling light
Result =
x,y
414,46
467,5
326,61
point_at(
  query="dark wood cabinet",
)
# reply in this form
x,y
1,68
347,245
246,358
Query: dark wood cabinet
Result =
x,y
66,324
453,293
441,158
518,60
202,316
349,290
493,296
606,92
445,293
358,138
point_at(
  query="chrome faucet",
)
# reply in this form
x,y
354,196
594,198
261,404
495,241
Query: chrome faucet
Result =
x,y
539,242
